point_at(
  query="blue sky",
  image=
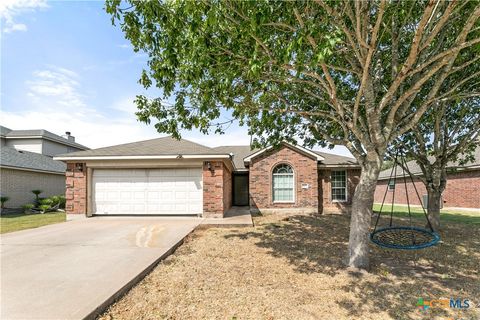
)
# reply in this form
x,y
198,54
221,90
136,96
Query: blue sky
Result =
x,y
65,67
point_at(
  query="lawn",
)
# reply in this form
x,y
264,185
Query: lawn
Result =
x,y
15,222
463,216
291,268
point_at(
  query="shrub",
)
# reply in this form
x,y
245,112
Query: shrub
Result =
x,y
44,207
3,200
36,193
63,201
46,201
28,207
60,200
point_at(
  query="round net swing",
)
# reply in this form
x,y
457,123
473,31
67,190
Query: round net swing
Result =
x,y
402,237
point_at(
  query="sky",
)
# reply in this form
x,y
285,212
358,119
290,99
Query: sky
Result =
x,y
65,67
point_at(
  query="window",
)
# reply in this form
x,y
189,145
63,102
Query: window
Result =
x,y
339,186
391,184
283,183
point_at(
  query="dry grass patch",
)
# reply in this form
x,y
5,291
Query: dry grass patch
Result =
x,y
292,269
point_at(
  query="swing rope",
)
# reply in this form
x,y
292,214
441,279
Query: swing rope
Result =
x,y
403,237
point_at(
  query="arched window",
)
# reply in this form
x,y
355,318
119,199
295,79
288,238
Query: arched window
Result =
x,y
283,183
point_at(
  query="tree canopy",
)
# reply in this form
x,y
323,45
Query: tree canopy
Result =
x,y
336,72
352,73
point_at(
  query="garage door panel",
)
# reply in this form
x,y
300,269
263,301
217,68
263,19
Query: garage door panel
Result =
x,y
147,191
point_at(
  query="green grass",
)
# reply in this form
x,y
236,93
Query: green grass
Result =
x,y
21,221
468,217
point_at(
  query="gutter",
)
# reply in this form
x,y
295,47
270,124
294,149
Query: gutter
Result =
x,y
164,157
32,170
328,166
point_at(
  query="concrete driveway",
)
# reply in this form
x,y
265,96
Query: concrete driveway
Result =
x,y
71,270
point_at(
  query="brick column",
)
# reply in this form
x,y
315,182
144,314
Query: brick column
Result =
x,y
216,192
76,188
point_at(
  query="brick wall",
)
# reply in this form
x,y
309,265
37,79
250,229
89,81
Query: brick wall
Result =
x,y
462,190
76,189
227,188
325,191
18,186
260,181
217,189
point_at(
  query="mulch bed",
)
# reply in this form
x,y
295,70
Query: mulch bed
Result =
x,y
292,268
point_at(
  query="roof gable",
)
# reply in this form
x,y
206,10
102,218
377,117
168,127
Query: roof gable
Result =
x,y
299,149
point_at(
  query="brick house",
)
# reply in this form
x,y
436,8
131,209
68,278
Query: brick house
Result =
x,y
461,192
165,176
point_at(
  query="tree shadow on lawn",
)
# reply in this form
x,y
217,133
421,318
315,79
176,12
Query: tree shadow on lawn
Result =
x,y
397,278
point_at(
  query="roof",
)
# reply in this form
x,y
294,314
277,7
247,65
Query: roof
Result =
x,y
9,134
239,152
153,147
415,169
335,159
4,131
168,147
19,159
299,149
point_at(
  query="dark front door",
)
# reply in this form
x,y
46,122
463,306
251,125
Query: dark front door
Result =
x,y
240,189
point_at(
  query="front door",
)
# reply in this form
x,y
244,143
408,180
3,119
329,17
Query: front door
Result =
x,y
240,189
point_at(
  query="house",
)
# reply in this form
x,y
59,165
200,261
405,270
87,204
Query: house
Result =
x,y
165,176
26,163
461,192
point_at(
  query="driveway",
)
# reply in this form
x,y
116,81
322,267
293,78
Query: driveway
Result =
x,y
70,270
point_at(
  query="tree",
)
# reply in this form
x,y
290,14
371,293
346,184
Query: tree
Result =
x,y
357,74
448,133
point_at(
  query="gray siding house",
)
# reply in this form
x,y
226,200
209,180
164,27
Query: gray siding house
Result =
x,y
26,163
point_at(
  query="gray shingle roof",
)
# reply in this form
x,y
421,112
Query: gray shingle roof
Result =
x,y
10,157
4,131
414,168
335,159
168,146
239,153
153,147
41,133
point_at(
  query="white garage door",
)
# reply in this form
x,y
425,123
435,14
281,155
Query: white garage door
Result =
x,y
147,191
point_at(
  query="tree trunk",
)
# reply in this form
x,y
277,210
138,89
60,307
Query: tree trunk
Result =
x,y
358,245
434,204
436,184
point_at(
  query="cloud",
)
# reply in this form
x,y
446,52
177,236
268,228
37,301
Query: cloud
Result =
x,y
59,84
15,27
10,9
125,46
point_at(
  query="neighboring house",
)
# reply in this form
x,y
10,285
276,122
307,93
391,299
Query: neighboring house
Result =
x,y
462,190
26,164
165,176
39,141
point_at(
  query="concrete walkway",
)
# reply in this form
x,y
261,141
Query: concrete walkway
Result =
x,y
73,270
234,217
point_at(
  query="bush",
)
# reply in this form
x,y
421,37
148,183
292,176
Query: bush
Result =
x,y
46,201
3,200
28,207
44,207
58,200
37,193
